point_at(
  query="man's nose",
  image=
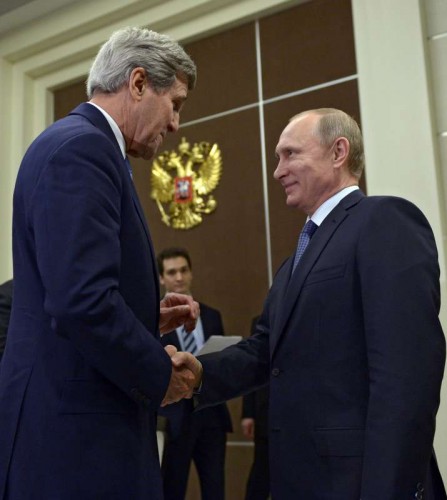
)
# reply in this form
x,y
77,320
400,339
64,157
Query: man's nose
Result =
x,y
279,171
175,123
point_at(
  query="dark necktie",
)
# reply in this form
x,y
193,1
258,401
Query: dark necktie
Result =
x,y
129,167
306,234
189,341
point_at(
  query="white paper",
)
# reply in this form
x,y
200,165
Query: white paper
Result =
x,y
218,342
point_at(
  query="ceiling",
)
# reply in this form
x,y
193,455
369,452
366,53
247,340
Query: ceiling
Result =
x,y
8,5
17,13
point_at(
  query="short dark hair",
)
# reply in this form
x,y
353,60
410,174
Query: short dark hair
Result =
x,y
172,253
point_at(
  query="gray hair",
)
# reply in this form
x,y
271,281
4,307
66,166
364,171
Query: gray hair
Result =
x,y
162,58
334,123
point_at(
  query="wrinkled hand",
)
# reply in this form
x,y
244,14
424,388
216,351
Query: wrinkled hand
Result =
x,y
248,427
176,310
185,377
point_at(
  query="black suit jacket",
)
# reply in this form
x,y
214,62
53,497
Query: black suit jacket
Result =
x,y
179,414
355,355
5,312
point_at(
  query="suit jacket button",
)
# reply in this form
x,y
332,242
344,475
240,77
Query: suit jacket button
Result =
x,y
275,372
420,487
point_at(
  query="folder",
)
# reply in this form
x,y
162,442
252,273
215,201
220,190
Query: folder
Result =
x,y
218,342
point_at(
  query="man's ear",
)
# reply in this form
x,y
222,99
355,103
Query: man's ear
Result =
x,y
162,281
340,151
138,82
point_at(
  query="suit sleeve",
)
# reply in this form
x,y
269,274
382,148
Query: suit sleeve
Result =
x,y
399,280
77,207
238,369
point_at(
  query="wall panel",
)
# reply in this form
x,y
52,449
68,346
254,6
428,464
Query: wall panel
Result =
x,y
68,97
226,73
316,45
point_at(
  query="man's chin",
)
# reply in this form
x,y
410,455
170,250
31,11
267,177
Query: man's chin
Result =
x,y
151,150
150,154
291,202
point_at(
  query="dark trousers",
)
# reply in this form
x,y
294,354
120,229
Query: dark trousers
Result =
x,y
258,485
206,446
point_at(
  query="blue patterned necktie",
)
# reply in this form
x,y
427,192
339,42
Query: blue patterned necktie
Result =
x,y
129,167
189,341
306,234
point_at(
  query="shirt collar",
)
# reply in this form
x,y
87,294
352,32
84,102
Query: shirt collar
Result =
x,y
326,208
115,129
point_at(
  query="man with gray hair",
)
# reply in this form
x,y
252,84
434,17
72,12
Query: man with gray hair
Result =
x,y
84,372
349,339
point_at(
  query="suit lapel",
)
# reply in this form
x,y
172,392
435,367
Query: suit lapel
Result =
x,y
292,287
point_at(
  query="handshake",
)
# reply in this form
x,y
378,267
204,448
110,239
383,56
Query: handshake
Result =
x,y
186,376
176,310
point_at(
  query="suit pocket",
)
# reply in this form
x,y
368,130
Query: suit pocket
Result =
x,y
339,442
90,396
327,273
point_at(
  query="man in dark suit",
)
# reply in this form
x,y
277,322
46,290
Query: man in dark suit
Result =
x,y
349,338
201,436
254,425
5,312
84,373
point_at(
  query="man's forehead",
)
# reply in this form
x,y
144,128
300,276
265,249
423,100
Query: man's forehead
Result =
x,y
303,122
296,129
178,261
289,135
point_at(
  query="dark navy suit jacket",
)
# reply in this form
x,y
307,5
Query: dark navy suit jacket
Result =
x,y
355,355
179,414
83,372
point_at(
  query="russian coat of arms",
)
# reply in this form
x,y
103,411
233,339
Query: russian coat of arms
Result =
x,y
183,180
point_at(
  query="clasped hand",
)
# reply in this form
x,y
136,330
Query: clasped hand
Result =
x,y
185,377
177,309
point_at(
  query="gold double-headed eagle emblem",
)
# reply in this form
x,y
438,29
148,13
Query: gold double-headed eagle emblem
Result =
x,y
186,191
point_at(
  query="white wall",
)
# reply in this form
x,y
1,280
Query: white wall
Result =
x,y
403,92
